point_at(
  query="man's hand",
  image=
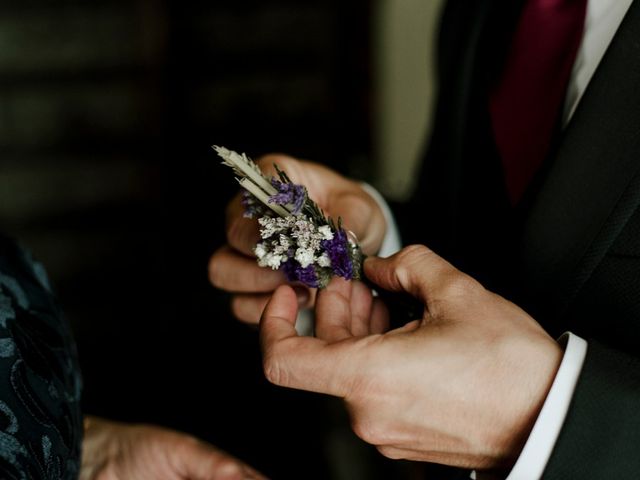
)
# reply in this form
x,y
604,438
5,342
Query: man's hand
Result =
x,y
462,386
115,451
233,267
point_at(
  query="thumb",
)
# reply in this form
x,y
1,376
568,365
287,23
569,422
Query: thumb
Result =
x,y
418,271
305,363
361,215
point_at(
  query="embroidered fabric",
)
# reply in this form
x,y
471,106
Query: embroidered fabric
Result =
x,y
40,383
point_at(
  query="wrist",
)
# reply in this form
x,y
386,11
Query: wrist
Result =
x,y
535,365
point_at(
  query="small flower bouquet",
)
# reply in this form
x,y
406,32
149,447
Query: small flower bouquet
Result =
x,y
296,236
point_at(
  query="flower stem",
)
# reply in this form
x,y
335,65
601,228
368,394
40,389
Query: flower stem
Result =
x,y
257,192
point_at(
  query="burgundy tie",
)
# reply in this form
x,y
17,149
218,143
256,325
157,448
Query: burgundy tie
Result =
x,y
526,101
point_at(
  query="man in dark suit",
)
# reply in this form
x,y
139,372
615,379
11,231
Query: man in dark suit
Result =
x,y
477,382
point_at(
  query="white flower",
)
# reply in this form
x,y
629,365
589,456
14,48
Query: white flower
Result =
x,y
323,260
304,256
285,242
260,250
271,226
271,260
268,227
325,232
303,231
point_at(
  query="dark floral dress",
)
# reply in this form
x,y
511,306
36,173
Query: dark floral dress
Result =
x,y
40,384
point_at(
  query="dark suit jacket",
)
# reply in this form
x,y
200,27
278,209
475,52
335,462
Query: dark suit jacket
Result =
x,y
570,252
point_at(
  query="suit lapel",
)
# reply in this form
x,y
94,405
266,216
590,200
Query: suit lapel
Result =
x,y
593,184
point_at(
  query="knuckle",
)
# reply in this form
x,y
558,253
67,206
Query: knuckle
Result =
x,y
189,442
234,213
243,234
368,431
237,307
186,444
228,466
355,200
273,370
243,309
416,250
216,271
404,262
235,231
390,452
456,284
410,255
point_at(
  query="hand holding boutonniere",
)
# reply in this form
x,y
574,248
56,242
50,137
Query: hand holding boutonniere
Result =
x,y
296,236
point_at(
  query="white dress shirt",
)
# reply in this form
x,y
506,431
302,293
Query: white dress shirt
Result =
x,y
602,21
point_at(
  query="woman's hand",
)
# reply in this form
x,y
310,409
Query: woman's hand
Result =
x,y
233,267
116,451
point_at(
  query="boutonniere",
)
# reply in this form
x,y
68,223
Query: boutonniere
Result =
x,y
296,236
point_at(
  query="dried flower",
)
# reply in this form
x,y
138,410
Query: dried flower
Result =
x,y
253,208
296,236
289,194
339,251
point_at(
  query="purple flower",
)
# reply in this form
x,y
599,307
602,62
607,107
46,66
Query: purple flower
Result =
x,y
288,194
295,273
338,249
252,206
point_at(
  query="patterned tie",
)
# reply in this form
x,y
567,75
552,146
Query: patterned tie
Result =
x,y
526,101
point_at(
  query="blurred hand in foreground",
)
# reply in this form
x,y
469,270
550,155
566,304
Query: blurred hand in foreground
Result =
x,y
116,451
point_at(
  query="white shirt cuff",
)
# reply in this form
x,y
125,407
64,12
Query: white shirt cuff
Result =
x,y
537,451
391,242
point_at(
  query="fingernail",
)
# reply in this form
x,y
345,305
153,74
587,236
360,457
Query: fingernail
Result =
x,y
303,296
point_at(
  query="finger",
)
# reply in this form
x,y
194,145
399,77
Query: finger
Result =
x,y
248,307
230,473
242,233
407,327
304,363
418,271
398,453
333,311
237,273
337,195
361,308
201,461
379,317
345,198
361,215
279,318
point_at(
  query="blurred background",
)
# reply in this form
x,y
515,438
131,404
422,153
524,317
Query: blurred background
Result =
x,y
108,109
